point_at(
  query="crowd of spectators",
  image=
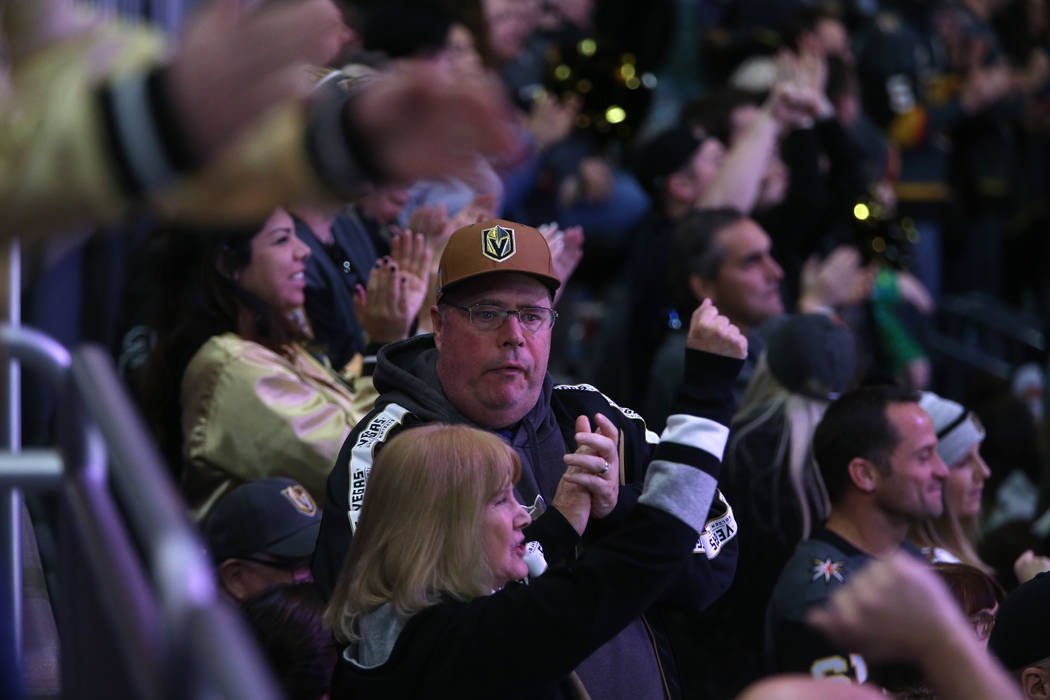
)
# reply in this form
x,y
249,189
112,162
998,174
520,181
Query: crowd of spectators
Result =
x,y
451,243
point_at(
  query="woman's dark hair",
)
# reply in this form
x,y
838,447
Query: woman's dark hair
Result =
x,y
287,622
196,297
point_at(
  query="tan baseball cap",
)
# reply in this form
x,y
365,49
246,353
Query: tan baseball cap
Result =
x,y
495,245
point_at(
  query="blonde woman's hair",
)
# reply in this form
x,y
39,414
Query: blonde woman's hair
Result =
x,y
951,532
418,537
766,399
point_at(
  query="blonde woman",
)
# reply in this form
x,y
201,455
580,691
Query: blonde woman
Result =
x,y
774,484
951,538
429,603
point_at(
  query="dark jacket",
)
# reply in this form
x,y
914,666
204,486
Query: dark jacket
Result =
x,y
756,480
410,394
332,275
524,640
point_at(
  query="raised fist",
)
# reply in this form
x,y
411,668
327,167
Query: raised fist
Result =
x,y
712,332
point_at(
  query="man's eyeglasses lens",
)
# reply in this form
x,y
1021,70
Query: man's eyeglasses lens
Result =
x,y
485,317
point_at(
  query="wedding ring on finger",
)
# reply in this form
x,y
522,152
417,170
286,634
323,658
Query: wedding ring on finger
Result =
x,y
605,468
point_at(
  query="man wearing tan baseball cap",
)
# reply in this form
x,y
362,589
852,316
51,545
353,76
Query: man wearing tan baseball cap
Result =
x,y
496,246
486,365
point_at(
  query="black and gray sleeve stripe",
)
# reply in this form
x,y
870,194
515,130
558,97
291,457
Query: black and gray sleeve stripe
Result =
x,y
683,476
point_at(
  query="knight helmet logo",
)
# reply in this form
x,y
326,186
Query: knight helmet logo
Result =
x,y
498,243
301,499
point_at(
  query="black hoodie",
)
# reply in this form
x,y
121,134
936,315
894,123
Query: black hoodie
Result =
x,y
410,394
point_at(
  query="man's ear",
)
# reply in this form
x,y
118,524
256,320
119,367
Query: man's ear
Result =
x,y
702,288
864,474
232,575
437,322
1035,683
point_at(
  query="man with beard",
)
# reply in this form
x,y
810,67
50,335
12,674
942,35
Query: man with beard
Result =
x,y
877,453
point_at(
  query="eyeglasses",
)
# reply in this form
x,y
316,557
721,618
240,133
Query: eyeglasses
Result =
x,y
486,317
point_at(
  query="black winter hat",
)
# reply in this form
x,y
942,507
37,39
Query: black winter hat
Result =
x,y
1019,637
812,354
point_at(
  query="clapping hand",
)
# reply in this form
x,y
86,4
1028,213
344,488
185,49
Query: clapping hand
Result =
x,y
396,289
566,251
590,485
595,465
837,280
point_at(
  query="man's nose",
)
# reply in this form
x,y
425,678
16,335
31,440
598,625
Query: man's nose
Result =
x,y
941,471
512,330
774,269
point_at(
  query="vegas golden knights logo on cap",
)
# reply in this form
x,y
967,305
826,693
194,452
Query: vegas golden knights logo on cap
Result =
x,y
300,498
498,243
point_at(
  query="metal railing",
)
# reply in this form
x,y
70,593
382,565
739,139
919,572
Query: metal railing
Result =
x,y
976,333
137,607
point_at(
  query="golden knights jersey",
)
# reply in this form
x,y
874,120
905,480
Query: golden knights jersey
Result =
x,y
820,565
